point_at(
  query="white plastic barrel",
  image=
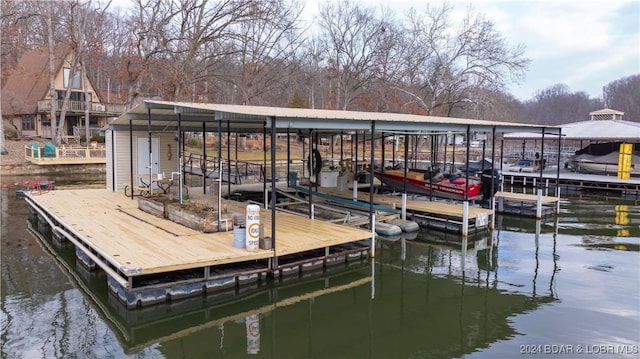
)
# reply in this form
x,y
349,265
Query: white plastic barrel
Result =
x,y
252,224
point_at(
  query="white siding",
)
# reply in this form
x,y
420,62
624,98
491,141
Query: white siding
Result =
x,y
121,167
109,167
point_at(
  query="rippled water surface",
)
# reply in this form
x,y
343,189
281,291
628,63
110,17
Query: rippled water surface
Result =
x,y
566,286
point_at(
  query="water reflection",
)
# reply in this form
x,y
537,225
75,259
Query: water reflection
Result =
x,y
454,288
429,295
428,285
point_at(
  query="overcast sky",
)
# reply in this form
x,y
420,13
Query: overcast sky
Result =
x,y
584,44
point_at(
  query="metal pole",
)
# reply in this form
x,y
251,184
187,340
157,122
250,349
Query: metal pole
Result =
x,y
383,148
288,157
229,159
179,138
131,156
493,171
341,148
372,217
466,192
264,163
273,184
150,151
203,164
540,184
404,178
310,164
219,150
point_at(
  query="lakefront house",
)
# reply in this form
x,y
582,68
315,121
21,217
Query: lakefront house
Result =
x,y
27,99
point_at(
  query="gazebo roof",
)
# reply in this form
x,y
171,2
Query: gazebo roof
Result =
x,y
597,130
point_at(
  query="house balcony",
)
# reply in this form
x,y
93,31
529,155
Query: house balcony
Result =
x,y
96,108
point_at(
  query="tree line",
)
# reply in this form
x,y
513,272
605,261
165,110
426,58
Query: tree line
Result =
x,y
265,52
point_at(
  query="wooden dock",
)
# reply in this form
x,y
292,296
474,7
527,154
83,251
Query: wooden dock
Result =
x,y
574,181
138,250
525,204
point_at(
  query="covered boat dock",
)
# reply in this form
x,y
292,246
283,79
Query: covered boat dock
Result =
x,y
150,259
154,117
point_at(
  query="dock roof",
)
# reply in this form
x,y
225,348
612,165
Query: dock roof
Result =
x,y
241,118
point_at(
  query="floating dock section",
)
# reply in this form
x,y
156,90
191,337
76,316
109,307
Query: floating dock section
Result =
x,y
574,181
523,204
439,215
151,260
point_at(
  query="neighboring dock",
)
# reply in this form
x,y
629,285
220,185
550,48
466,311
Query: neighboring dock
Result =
x,y
526,204
149,259
573,181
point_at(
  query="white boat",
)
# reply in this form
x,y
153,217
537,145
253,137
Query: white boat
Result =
x,y
605,164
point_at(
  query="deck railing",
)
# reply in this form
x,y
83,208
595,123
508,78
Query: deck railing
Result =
x,y
79,106
80,131
36,153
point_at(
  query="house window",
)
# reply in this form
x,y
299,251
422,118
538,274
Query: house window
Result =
x,y
76,83
28,123
73,96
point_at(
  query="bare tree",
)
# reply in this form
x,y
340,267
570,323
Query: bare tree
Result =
x,y
146,44
52,79
313,83
450,63
623,95
82,24
3,147
354,40
557,105
268,43
201,36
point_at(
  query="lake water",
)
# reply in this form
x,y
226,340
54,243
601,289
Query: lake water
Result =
x,y
566,287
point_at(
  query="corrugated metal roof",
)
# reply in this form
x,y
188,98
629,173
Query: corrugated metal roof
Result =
x,y
599,130
247,118
602,129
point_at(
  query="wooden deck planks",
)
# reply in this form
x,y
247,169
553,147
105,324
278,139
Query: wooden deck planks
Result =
x,y
134,240
295,232
522,197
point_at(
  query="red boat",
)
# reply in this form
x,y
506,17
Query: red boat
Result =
x,y
420,182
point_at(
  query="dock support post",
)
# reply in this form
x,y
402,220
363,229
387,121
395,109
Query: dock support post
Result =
x,y
265,199
539,204
355,189
465,219
501,204
546,187
373,235
493,215
558,201
313,210
404,206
